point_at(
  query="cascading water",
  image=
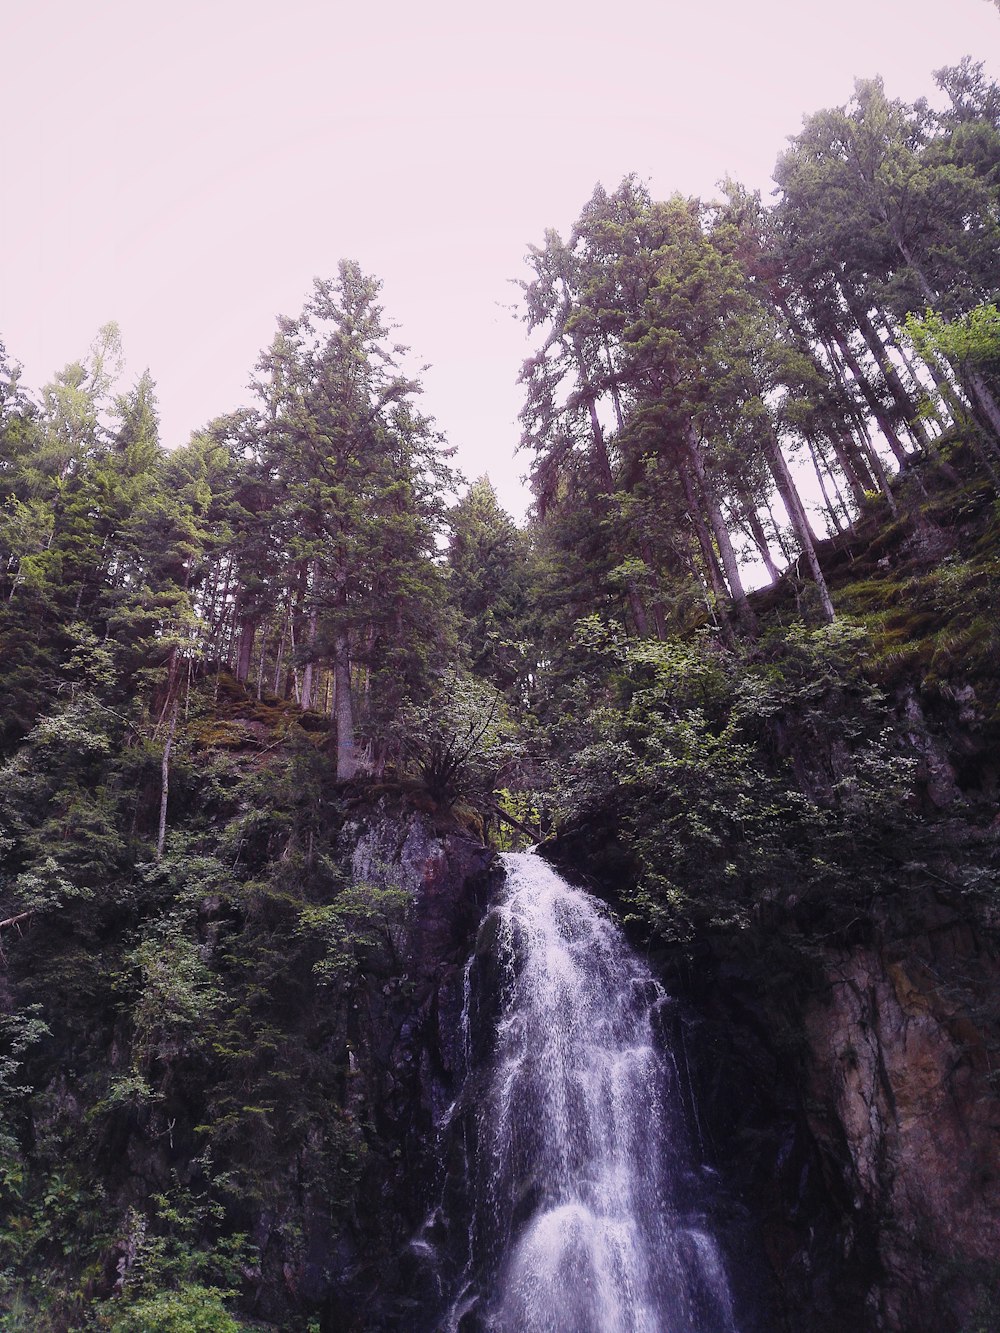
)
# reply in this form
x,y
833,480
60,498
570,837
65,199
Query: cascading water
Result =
x,y
585,1217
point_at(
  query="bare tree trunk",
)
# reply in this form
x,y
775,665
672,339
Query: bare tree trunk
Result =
x,y
260,666
918,428
720,532
951,394
613,384
903,353
292,678
984,399
224,614
309,670
793,504
850,472
978,388
787,554
843,508
244,652
165,779
280,653
347,762
870,397
819,469
895,385
867,449
211,598
848,454
712,571
852,455
760,540
293,681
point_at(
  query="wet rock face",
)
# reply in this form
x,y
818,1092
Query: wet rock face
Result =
x,y
443,873
856,1115
449,878
899,1094
935,770
409,1059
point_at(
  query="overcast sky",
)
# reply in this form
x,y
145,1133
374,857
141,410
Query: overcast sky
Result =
x,y
187,167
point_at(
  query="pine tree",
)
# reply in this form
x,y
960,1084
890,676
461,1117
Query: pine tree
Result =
x,y
355,475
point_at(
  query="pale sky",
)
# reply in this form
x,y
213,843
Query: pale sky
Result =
x,y
187,167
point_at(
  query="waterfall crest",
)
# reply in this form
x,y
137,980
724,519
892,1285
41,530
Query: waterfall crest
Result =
x,y
585,1214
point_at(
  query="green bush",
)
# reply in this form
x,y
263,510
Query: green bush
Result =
x,y
191,1309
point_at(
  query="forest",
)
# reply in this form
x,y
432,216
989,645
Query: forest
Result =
x,y
743,653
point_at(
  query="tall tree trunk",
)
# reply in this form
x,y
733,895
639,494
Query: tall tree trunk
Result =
x,y
978,388
606,478
713,573
868,451
870,397
244,653
904,403
851,472
927,439
292,675
819,469
165,780
787,554
613,385
903,352
602,468
719,530
347,759
309,670
984,398
796,512
309,666
848,454
223,622
173,703
280,653
951,395
819,446
881,476
260,666
760,539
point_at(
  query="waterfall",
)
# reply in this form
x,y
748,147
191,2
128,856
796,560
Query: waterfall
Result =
x,y
585,1214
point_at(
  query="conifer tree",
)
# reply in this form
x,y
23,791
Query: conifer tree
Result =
x,y
354,475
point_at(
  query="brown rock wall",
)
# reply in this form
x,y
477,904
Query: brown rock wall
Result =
x,y
898,1090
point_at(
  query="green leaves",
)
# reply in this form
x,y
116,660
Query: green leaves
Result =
x,y
190,1309
355,929
735,780
489,586
348,478
460,738
177,994
973,337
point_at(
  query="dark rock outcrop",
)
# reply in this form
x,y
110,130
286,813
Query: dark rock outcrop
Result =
x,y
408,1063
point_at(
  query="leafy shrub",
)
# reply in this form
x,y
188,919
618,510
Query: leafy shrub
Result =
x,y
190,1309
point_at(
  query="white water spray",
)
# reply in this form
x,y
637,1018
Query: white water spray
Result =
x,y
583,1216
